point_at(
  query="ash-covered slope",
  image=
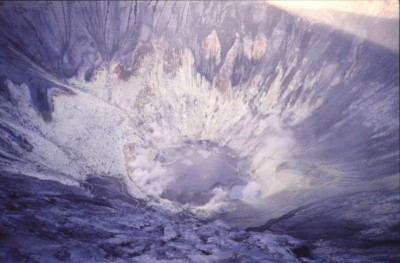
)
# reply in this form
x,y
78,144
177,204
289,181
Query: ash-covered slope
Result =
x,y
233,110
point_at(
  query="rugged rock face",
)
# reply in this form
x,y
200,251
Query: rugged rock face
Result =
x,y
236,111
45,221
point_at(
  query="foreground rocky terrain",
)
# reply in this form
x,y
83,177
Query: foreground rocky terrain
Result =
x,y
45,221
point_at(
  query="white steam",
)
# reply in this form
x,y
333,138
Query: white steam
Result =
x,y
150,175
